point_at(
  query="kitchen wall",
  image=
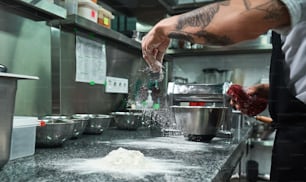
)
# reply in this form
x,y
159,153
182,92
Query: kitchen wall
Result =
x,y
248,68
77,97
30,48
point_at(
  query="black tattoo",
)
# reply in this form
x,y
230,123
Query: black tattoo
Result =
x,y
181,36
273,10
215,39
247,4
225,3
198,18
209,38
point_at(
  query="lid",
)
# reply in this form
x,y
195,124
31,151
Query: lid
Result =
x,y
88,3
25,121
11,75
105,12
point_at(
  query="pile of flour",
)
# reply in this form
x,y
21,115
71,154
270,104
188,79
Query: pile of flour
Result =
x,y
124,163
123,159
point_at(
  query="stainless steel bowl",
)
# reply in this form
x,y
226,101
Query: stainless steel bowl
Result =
x,y
96,124
199,123
54,133
79,123
127,120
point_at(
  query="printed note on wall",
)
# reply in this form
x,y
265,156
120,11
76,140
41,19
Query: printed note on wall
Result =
x,y
90,61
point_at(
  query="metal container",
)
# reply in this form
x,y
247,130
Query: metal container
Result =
x,y
215,76
8,88
199,123
54,133
96,123
128,120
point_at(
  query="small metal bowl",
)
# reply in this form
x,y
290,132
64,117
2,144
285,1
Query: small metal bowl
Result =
x,y
54,133
96,124
128,120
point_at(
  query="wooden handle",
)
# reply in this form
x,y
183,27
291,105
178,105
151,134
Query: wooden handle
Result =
x,y
264,119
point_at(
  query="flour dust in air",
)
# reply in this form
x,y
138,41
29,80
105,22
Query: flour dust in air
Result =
x,y
124,163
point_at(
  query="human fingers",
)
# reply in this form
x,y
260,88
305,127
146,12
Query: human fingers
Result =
x,y
235,104
149,54
149,58
156,65
149,49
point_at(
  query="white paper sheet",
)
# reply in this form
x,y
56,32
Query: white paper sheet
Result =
x,y
90,61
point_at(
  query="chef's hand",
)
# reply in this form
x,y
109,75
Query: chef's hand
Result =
x,y
252,101
155,44
260,90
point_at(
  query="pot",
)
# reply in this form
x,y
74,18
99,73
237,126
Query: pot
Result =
x,y
199,123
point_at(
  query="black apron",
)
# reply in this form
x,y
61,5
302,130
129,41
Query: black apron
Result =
x,y
289,119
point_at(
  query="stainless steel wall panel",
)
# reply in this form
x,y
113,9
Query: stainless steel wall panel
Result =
x,y
78,97
25,49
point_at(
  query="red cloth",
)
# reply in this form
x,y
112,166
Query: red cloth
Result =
x,y
250,104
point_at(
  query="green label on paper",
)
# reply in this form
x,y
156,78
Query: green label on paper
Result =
x,y
92,83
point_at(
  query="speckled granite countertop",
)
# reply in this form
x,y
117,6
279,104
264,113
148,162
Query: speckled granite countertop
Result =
x,y
183,160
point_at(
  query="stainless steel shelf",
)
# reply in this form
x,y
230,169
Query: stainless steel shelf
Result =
x,y
38,10
266,48
78,23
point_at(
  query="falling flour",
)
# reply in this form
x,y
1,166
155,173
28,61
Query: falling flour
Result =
x,y
124,163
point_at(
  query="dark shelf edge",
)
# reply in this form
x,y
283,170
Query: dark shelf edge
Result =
x,y
28,10
78,23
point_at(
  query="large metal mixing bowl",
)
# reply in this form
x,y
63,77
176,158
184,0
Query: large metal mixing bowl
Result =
x,y
199,123
128,120
96,123
79,123
54,133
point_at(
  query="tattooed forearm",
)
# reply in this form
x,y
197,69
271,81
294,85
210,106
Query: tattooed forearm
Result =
x,y
197,27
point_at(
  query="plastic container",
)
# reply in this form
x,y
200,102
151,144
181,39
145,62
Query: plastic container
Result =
x,y
8,88
23,136
88,10
105,17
